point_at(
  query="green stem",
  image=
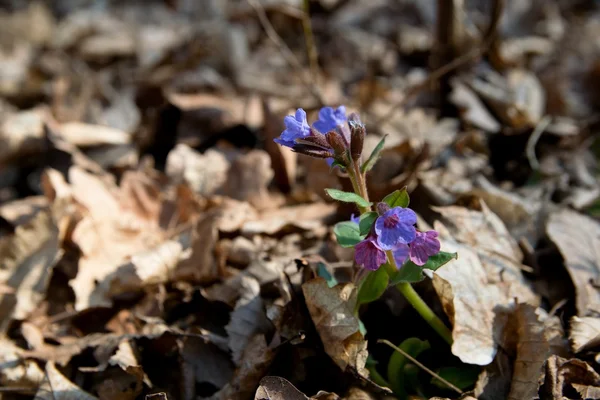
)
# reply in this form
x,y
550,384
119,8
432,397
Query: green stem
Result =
x,y
423,309
360,187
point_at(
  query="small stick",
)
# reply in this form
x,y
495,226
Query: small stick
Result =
x,y
418,364
533,139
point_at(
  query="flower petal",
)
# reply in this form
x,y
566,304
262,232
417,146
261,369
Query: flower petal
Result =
x,y
395,226
368,255
329,119
424,246
401,254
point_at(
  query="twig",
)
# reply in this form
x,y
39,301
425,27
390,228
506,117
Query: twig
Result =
x,y
285,50
533,139
418,364
311,48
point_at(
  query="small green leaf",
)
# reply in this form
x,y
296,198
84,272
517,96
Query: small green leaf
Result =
x,y
411,272
324,273
336,163
398,362
463,377
361,328
347,197
398,198
366,221
374,156
372,287
347,233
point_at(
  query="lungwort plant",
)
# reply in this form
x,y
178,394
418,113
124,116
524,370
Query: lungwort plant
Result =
x,y
388,249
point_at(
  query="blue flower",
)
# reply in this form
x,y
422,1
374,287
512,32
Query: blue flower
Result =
x,y
329,119
354,219
395,227
296,128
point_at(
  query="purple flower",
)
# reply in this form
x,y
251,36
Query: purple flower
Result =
x,y
424,246
368,254
395,227
354,219
329,119
296,128
401,253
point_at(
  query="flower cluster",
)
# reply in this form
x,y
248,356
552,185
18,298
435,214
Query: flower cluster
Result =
x,y
394,230
334,136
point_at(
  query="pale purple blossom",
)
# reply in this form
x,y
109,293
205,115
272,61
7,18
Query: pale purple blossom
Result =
x,y
368,254
401,253
425,245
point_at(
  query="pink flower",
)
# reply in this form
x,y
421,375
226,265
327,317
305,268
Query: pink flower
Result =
x,y
424,246
368,254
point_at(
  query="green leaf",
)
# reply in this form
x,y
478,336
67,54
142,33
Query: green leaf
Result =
x,y
398,198
372,287
374,156
366,221
398,362
411,272
347,233
347,197
324,273
463,377
361,328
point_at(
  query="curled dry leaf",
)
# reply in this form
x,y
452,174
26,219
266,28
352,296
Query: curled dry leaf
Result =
x,y
247,319
88,135
57,387
561,375
205,173
479,289
307,217
256,360
276,388
585,333
332,312
27,258
539,336
578,239
18,212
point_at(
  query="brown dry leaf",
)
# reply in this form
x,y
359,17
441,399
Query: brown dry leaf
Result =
x,y
539,336
57,387
307,217
28,257
248,179
562,373
479,289
22,134
247,319
276,388
472,108
578,239
205,173
585,333
111,230
332,312
204,363
256,360
587,391
18,212
88,135
16,371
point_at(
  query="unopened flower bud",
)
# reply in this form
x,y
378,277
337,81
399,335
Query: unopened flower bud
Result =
x,y
357,136
337,143
382,208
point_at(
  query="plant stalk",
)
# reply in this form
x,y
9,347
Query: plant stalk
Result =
x,y
360,187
